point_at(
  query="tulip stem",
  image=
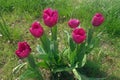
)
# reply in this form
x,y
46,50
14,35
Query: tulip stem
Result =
x,y
54,33
34,67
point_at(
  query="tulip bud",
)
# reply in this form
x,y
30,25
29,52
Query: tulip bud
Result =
x,y
73,23
23,50
50,17
36,29
97,19
79,35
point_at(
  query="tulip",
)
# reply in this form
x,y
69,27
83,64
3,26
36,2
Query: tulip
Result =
x,y
36,29
50,17
97,19
79,35
73,23
23,50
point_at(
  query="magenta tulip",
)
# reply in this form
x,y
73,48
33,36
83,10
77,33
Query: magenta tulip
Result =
x,y
79,35
23,50
50,17
97,19
36,29
73,23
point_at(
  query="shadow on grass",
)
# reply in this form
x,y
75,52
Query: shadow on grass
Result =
x,y
62,76
91,71
113,78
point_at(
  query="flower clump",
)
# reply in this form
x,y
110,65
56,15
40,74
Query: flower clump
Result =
x,y
50,18
78,45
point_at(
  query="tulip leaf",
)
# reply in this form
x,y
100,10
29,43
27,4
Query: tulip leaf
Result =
x,y
81,49
72,44
70,41
77,75
28,74
44,57
45,43
54,33
54,50
94,42
40,50
43,64
68,35
63,69
73,58
18,68
84,60
89,36
31,61
34,67
54,44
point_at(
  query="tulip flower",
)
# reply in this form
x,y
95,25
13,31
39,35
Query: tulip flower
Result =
x,y
79,35
73,23
50,17
97,19
36,29
23,50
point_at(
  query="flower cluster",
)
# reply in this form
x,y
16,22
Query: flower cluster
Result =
x,y
50,18
77,43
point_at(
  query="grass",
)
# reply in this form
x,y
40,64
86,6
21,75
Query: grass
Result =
x,y
18,16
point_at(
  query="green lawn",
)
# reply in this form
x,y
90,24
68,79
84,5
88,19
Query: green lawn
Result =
x,y
16,17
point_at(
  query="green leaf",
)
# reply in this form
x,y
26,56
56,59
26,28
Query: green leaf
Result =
x,y
31,61
72,58
65,54
68,35
54,33
84,60
40,49
81,48
54,50
18,68
45,43
27,75
90,36
70,41
94,42
63,69
81,62
72,44
81,52
77,75
43,64
34,67
44,57
54,44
